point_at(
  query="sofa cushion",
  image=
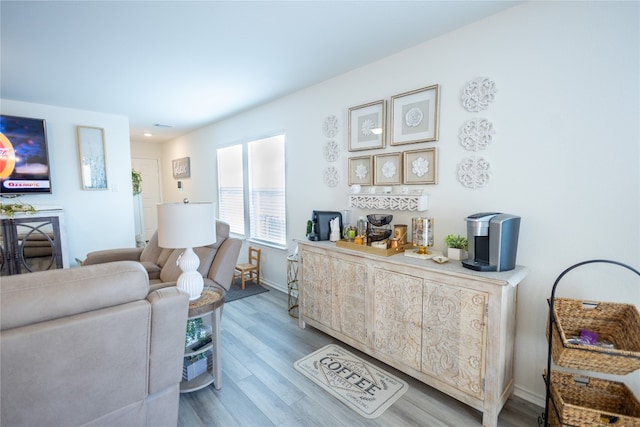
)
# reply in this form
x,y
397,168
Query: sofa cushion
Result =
x,y
77,369
153,269
171,271
151,251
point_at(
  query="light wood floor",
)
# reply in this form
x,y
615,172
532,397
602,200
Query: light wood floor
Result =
x,y
260,387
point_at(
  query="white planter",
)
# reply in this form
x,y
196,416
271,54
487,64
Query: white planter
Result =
x,y
456,254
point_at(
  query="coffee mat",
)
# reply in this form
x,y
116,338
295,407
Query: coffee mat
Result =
x,y
363,387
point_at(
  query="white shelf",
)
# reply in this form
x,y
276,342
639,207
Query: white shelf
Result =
x,y
394,202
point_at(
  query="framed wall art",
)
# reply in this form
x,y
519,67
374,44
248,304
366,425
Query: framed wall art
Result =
x,y
181,168
360,170
387,169
420,166
367,126
414,116
93,163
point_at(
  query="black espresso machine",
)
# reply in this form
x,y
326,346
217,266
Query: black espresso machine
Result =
x,y
321,224
493,241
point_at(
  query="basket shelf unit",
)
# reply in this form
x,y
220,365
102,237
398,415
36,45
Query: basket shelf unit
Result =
x,y
580,400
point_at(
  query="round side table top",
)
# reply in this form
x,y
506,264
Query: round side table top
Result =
x,y
210,299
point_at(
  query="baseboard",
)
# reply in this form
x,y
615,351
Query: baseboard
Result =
x,y
534,398
274,286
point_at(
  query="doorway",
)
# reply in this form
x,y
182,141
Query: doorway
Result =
x,y
151,192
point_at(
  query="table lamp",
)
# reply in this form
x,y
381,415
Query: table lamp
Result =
x,y
187,225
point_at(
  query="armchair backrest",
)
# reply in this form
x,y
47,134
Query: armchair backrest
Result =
x,y
216,260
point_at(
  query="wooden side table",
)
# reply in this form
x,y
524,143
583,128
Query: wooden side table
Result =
x,y
292,284
209,303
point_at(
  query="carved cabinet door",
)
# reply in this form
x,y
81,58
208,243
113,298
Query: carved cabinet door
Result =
x,y
397,315
349,285
316,282
454,336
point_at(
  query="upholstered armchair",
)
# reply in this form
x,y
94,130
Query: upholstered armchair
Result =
x,y
217,261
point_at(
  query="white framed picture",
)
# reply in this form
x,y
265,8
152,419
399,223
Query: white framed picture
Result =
x,y
367,126
387,169
414,116
360,170
420,166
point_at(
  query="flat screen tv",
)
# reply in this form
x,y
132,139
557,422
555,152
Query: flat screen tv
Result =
x,y
24,159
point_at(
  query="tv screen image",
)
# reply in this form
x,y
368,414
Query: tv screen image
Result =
x,y
24,159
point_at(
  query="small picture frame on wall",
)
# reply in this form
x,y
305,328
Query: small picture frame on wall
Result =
x,y
420,166
414,116
93,163
367,126
360,170
181,168
388,169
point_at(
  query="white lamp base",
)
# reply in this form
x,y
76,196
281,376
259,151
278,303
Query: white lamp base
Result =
x,y
190,280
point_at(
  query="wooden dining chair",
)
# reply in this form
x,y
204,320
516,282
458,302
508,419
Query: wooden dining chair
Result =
x,y
247,270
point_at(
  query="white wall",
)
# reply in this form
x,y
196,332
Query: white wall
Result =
x,y
565,156
94,219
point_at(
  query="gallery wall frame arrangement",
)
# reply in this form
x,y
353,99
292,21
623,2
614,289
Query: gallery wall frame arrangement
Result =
x,y
387,169
360,170
415,116
93,159
367,126
181,168
420,166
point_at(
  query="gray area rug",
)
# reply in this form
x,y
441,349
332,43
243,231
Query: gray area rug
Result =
x,y
250,288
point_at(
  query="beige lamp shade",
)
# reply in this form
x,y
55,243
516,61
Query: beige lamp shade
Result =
x,y
186,225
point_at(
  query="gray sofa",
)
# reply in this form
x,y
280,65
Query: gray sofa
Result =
x,y
217,261
90,346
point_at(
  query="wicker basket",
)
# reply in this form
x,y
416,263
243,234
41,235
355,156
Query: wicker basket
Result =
x,y
614,322
581,401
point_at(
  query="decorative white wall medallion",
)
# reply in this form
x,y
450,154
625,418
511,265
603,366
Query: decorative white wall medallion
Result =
x,y
367,127
331,176
474,172
389,169
476,134
331,151
414,117
330,126
478,94
420,166
361,171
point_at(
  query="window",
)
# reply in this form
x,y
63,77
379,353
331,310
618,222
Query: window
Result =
x,y
251,189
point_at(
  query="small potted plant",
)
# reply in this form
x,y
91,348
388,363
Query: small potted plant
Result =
x,y
136,180
457,247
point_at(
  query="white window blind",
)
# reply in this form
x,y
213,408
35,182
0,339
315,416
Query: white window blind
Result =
x,y
261,203
231,188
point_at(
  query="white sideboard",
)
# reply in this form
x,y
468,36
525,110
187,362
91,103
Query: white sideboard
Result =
x,y
447,326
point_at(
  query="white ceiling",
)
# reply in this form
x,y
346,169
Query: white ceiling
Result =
x,y
190,63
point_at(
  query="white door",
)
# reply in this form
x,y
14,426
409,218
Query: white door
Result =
x,y
151,196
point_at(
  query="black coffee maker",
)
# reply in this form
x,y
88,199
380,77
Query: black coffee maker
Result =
x,y
493,241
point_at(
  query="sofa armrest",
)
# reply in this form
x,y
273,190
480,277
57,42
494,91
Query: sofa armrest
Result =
x,y
169,311
221,271
111,255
